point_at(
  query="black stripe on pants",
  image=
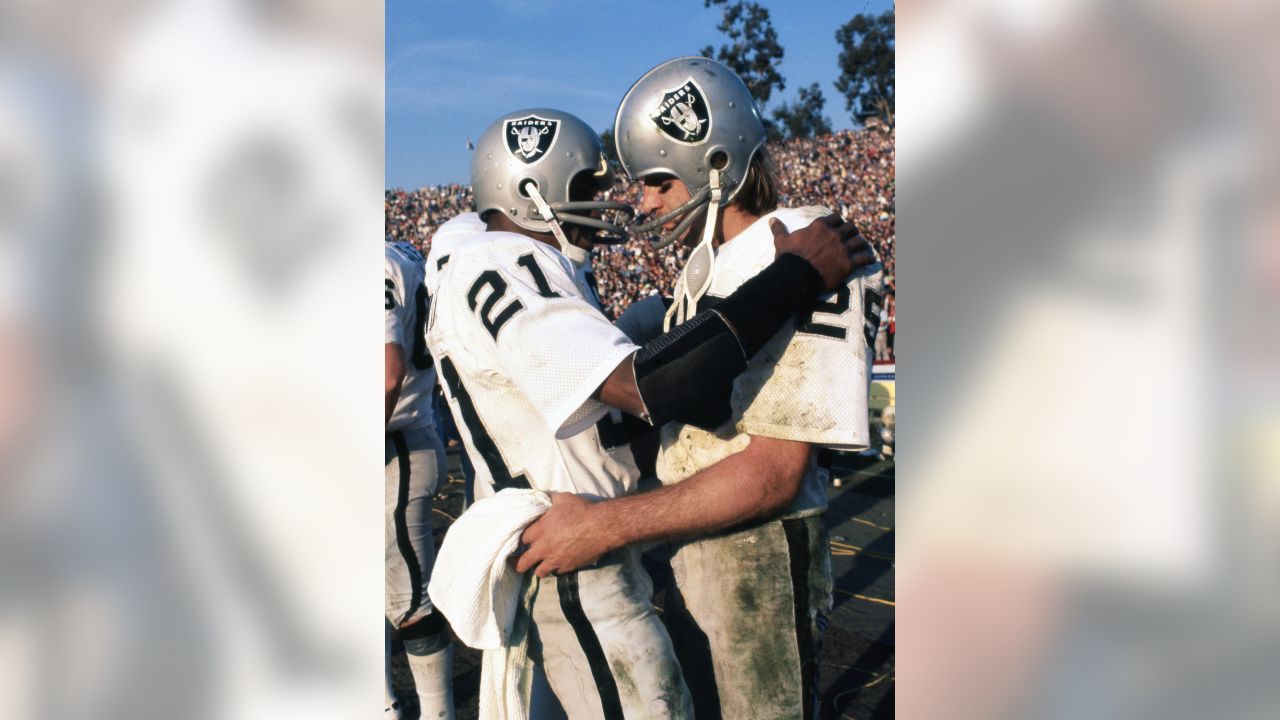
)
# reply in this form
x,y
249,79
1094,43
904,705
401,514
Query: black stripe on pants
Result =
x,y
798,550
571,605
402,524
692,648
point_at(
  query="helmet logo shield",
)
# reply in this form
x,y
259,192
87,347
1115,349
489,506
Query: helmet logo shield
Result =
x,y
683,114
530,137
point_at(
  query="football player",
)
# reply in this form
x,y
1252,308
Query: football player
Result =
x,y
532,366
759,588
415,462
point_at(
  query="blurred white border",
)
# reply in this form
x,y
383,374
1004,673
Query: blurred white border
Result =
x,y
190,213
1088,276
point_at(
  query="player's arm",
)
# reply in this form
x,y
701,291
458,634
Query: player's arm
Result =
x,y
393,338
394,377
672,375
642,320
760,481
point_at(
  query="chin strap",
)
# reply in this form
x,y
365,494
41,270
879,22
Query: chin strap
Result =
x,y
695,279
579,257
570,250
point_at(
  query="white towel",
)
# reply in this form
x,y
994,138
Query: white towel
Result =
x,y
506,674
472,583
479,592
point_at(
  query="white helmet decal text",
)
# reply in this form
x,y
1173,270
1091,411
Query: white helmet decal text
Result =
x,y
529,138
683,113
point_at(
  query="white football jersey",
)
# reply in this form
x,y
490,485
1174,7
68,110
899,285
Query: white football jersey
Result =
x,y
521,349
406,314
808,383
446,238
585,277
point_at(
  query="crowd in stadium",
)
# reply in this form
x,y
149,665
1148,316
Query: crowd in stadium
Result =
x,y
851,172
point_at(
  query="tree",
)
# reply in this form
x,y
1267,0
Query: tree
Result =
x,y
610,147
773,132
866,66
804,119
752,50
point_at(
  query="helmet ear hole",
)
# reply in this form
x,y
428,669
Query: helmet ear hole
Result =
x,y
719,160
523,187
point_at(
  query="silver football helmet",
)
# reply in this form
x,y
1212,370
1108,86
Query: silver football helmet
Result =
x,y
525,164
688,117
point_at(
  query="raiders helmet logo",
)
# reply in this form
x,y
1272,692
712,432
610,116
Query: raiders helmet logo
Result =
x,y
530,137
683,114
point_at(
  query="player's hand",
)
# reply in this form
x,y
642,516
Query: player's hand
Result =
x,y
563,539
831,245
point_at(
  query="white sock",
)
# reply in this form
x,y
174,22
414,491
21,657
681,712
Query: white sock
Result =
x,y
433,676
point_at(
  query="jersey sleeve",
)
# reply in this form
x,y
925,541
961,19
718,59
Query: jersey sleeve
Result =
x,y
395,315
810,382
554,346
642,320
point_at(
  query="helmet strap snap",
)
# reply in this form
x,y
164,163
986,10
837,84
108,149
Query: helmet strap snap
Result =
x,y
544,209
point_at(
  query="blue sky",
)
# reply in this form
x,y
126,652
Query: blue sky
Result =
x,y
454,67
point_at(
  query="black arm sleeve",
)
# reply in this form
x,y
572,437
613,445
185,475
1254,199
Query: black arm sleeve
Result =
x,y
760,307
681,373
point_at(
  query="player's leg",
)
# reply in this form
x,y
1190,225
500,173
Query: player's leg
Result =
x,y
430,654
393,567
468,478
762,596
415,465
604,649
693,652
543,703
391,704
811,585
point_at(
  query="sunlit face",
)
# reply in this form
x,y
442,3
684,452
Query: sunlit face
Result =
x,y
664,193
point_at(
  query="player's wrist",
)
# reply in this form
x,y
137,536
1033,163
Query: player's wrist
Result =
x,y
803,278
608,525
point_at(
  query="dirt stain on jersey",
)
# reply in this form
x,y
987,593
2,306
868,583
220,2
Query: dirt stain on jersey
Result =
x,y
622,675
766,653
740,589
757,403
687,449
647,674
665,695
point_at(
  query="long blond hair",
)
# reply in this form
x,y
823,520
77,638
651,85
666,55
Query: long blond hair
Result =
x,y
759,193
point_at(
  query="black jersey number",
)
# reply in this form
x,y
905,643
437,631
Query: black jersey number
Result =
x,y
484,444
872,304
490,316
872,301
527,262
839,305
421,358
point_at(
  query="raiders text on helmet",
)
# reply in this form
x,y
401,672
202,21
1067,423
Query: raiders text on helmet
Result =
x,y
529,138
548,149
683,117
